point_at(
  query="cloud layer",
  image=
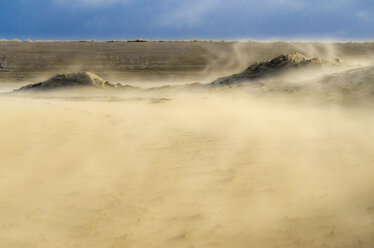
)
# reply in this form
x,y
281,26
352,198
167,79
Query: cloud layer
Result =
x,y
216,19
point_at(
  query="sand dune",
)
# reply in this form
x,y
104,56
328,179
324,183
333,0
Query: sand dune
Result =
x,y
294,62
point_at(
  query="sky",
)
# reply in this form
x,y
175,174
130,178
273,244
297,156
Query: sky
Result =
x,y
187,19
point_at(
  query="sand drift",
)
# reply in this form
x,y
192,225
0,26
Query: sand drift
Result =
x,y
256,159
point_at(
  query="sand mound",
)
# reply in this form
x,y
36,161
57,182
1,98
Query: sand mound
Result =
x,y
357,84
77,79
275,67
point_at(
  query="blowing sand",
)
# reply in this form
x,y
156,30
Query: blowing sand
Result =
x,y
200,170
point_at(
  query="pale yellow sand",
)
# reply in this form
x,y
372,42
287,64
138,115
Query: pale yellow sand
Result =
x,y
210,170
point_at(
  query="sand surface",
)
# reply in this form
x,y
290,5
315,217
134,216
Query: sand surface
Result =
x,y
184,169
283,162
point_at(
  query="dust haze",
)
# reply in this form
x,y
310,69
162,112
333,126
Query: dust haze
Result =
x,y
286,162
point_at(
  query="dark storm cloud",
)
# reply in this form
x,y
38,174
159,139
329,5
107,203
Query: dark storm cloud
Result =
x,y
167,19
